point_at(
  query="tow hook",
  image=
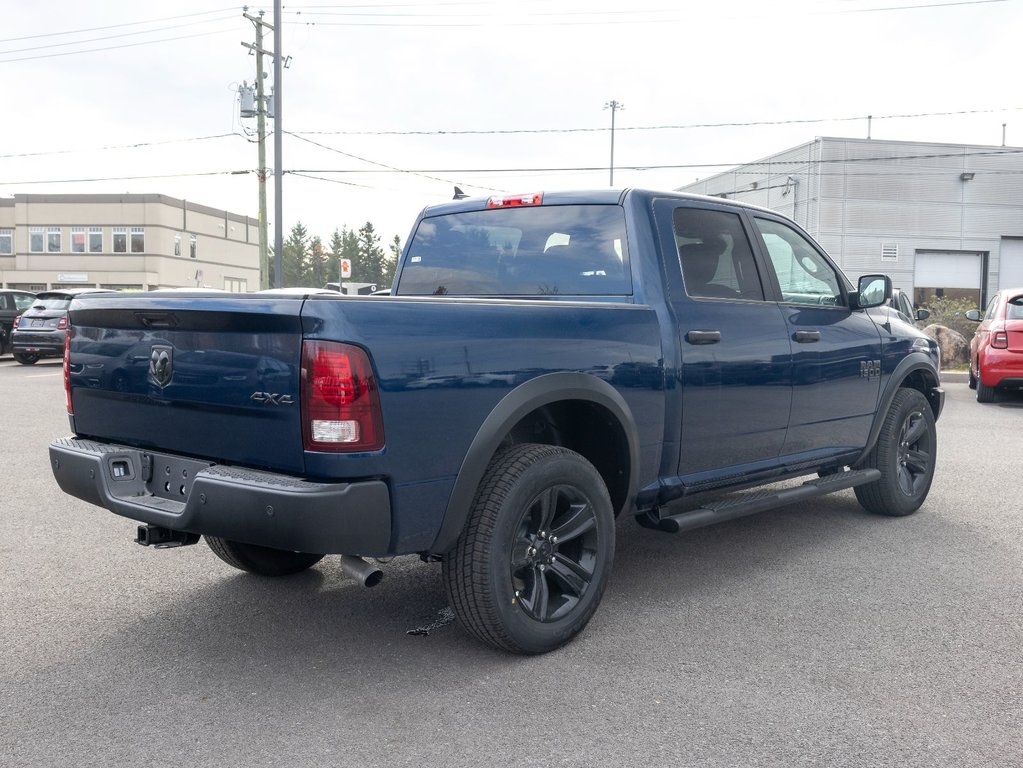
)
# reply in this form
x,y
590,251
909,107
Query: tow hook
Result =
x,y
164,538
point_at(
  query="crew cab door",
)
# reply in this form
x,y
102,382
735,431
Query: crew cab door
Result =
x,y
736,362
836,351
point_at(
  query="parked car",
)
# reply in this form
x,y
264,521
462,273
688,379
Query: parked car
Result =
x,y
996,352
39,331
899,305
12,304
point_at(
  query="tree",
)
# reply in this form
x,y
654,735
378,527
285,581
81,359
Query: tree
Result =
x,y
370,267
318,264
294,265
391,262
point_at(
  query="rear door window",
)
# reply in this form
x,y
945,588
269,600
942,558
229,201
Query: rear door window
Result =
x,y
715,255
560,250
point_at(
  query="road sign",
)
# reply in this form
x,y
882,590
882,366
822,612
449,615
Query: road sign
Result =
x,y
346,268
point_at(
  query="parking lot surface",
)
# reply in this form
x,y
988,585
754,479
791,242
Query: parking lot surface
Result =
x,y
812,635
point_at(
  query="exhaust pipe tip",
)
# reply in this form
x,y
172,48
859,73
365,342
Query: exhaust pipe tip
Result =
x,y
362,571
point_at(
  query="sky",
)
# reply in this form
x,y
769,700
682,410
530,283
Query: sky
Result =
x,y
386,106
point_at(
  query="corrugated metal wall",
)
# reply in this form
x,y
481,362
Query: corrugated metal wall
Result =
x,y
855,195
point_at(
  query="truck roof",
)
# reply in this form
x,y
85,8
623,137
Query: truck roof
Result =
x,y
609,196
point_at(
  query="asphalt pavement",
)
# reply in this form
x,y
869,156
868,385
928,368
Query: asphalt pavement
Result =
x,y
814,635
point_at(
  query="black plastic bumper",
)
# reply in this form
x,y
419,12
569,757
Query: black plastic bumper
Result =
x,y
247,505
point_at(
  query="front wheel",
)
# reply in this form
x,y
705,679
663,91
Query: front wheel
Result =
x,y
530,568
261,560
905,452
26,359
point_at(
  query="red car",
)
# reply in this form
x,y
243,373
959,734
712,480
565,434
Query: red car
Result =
x,y
996,352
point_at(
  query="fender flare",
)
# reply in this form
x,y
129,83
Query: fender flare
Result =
x,y
527,397
910,364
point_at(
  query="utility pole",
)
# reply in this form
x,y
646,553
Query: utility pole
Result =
x,y
264,251
614,106
278,143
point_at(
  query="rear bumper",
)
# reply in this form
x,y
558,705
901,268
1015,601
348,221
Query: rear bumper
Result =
x,y
255,507
45,344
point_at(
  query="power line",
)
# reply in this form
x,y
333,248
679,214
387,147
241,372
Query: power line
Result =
x,y
115,26
117,36
136,145
672,166
115,47
671,15
387,168
127,178
678,127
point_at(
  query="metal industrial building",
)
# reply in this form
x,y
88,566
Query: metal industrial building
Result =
x,y
128,242
941,219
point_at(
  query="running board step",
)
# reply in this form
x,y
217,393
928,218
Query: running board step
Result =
x,y
750,504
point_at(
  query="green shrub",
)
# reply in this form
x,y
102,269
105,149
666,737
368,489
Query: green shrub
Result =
x,y
952,314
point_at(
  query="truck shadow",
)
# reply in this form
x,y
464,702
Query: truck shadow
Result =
x,y
319,637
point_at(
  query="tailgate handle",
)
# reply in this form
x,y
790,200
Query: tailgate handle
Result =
x,y
157,319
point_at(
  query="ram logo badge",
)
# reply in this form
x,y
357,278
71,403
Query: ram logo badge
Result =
x,y
271,398
161,364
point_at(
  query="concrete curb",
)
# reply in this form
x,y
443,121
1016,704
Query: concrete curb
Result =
x,y
958,377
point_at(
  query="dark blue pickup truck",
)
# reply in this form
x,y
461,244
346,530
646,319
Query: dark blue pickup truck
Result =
x,y
543,364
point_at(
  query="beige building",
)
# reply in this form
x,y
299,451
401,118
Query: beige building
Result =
x,y
127,242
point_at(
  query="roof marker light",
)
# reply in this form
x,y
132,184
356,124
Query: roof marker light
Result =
x,y
515,201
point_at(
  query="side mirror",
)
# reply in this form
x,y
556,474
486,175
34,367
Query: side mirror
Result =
x,y
871,291
923,314
974,315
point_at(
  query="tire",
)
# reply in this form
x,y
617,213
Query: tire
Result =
x,y
905,453
26,359
985,394
530,568
973,379
261,560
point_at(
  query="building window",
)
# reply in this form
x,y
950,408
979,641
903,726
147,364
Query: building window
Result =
x,y
177,244
95,239
235,285
53,239
6,242
193,246
120,239
138,240
36,238
77,239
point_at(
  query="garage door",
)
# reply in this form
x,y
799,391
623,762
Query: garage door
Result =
x,y
1010,270
951,274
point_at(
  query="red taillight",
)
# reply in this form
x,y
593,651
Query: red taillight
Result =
x,y
16,321
513,201
340,402
62,323
1000,340
67,374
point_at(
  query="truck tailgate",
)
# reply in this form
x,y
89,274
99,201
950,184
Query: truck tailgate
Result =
x,y
216,377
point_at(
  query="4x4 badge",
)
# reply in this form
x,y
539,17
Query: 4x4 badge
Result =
x,y
161,364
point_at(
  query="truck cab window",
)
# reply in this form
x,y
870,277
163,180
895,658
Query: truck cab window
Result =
x,y
715,255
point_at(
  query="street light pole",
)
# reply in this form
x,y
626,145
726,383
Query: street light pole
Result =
x,y
614,106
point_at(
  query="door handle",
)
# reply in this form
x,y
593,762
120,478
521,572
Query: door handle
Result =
x,y
703,337
806,337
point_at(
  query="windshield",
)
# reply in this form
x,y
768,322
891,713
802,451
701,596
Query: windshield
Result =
x,y
559,250
52,301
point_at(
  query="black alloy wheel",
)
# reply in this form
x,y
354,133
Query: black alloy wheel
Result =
x,y
905,454
555,552
531,565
